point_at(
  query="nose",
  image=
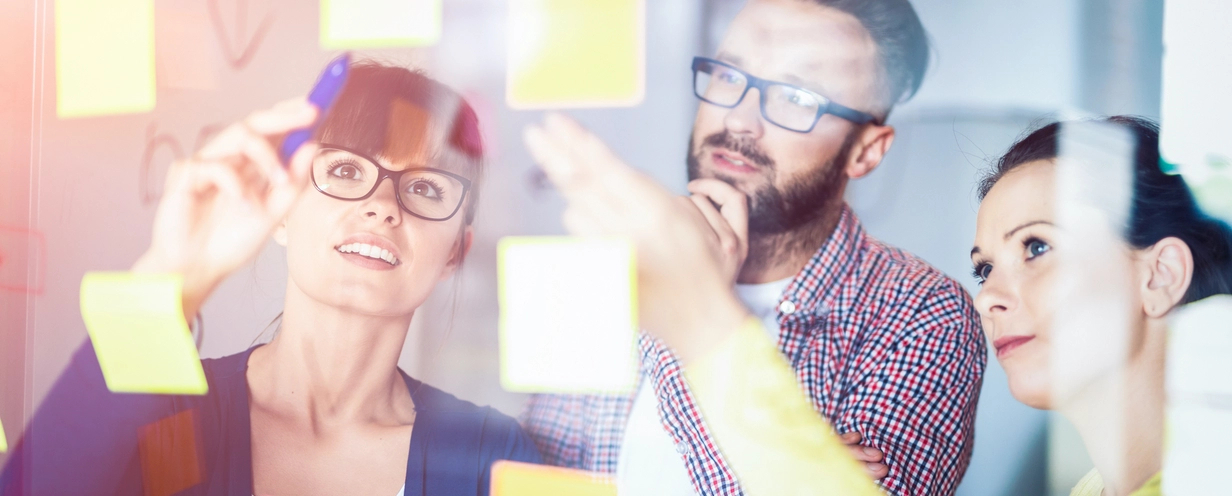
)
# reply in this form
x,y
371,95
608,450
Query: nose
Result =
x,y
745,119
996,297
383,204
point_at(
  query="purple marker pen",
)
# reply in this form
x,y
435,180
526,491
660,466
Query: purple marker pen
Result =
x,y
323,94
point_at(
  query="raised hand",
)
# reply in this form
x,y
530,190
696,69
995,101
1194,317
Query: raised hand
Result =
x,y
685,291
220,206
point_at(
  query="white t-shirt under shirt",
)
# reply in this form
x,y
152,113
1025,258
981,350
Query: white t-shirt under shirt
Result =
x,y
650,463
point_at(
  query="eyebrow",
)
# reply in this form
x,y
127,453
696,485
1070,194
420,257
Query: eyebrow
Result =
x,y
808,85
729,58
976,250
1024,226
791,79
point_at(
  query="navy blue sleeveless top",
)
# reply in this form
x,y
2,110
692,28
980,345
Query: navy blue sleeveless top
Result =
x,y
84,439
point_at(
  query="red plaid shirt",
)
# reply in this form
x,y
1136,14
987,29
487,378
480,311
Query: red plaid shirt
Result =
x,y
882,343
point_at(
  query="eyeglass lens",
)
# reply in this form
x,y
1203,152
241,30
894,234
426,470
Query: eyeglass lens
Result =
x,y
344,175
784,105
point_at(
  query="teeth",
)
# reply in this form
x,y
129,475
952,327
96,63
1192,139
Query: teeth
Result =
x,y
370,252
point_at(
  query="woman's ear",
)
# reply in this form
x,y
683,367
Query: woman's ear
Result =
x,y
280,234
1168,266
460,250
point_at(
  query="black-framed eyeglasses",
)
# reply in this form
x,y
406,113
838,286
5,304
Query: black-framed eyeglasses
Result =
x,y
425,192
787,106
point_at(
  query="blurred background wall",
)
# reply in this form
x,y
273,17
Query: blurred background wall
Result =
x,y
87,187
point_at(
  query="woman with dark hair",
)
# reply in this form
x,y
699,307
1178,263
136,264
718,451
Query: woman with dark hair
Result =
x,y
322,408
1105,375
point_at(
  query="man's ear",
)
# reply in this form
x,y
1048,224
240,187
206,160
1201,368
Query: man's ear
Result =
x,y
280,234
1168,269
460,250
869,148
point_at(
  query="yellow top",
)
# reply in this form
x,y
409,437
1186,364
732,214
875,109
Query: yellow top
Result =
x,y
1093,485
765,426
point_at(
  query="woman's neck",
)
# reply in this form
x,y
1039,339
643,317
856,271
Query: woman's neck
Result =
x,y
1121,418
332,365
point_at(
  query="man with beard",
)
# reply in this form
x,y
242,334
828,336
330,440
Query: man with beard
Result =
x,y
886,347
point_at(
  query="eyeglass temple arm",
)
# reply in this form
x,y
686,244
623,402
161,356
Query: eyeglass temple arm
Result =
x,y
849,113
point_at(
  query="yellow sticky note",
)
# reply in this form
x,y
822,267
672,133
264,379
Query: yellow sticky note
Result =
x,y
347,24
574,53
765,425
4,443
104,57
568,314
527,479
136,323
1199,383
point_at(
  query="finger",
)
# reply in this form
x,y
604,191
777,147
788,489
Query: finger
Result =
x,y
262,159
217,176
726,237
556,163
591,157
733,204
175,176
858,453
283,195
291,103
282,117
877,470
562,168
694,211
270,124
872,454
852,437
299,170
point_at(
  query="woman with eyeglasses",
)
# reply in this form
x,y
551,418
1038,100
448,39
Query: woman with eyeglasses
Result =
x,y
1049,297
372,215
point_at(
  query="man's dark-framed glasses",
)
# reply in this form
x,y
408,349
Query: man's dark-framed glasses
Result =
x,y
424,192
787,106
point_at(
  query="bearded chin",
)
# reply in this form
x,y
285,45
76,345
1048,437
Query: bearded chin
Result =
x,y
803,201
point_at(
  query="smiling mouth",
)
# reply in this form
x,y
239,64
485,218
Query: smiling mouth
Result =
x,y
369,251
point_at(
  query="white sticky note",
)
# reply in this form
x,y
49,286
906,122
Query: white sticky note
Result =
x,y
1195,102
136,324
571,53
4,442
104,57
568,314
353,24
1199,384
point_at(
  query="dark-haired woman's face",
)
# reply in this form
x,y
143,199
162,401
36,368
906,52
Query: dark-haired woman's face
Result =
x,y
1054,303
369,256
